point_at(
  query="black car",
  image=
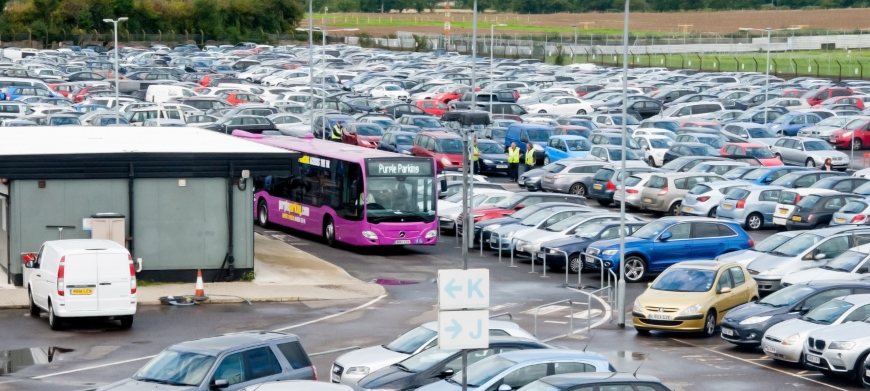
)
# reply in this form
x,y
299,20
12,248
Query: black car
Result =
x,y
435,364
492,158
815,210
575,245
589,381
747,323
666,96
688,149
398,142
514,217
604,183
396,111
248,123
752,100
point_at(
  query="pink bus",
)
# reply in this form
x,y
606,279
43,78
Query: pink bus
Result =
x,y
349,194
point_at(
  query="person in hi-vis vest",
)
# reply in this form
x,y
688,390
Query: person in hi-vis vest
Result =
x,y
513,162
475,165
336,131
530,157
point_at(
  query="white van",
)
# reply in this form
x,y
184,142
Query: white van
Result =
x,y
81,278
160,93
137,117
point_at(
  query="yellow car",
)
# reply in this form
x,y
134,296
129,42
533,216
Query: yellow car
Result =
x,y
693,296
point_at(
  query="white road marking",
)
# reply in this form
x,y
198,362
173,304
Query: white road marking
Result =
x,y
93,367
502,306
546,310
373,301
555,321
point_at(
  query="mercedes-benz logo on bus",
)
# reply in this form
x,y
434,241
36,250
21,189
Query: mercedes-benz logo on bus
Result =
x,y
401,234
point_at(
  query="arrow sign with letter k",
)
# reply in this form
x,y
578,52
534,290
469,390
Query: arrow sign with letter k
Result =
x,y
463,289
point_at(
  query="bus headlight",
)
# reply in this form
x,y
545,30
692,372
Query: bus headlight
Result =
x,y
431,234
370,235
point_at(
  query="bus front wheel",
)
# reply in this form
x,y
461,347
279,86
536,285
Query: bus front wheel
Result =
x,y
329,232
263,214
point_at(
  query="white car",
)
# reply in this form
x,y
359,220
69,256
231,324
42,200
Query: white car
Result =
x,y
655,147
853,264
450,208
564,105
389,91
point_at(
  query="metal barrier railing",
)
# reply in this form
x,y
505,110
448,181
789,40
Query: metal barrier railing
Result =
x,y
570,319
589,306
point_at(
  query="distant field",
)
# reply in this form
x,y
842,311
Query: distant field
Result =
x,y
604,23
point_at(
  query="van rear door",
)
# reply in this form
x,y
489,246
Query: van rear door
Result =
x,y
114,280
80,277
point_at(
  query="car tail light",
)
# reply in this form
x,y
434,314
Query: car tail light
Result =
x,y
741,204
858,219
610,186
703,199
663,191
631,191
132,275
751,243
516,94
810,217
61,286
797,198
314,373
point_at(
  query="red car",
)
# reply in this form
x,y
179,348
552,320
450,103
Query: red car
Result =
x,y
78,95
63,88
856,131
758,151
237,98
842,100
364,135
444,147
453,94
816,97
521,200
584,89
432,107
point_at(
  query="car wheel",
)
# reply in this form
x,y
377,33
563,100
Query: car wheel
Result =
x,y
578,189
546,160
780,134
710,324
581,112
263,214
810,162
676,209
604,202
542,111
778,156
575,264
754,221
34,310
329,232
713,213
651,162
635,269
856,143
127,322
54,321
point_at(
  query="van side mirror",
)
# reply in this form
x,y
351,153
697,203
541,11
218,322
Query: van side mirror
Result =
x,y
665,236
447,372
29,264
726,289
220,383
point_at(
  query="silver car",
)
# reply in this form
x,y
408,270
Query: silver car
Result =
x,y
612,154
751,206
574,178
838,349
855,212
633,186
745,257
785,341
749,132
529,242
349,368
531,180
703,199
664,192
291,125
826,127
810,152
718,167
501,236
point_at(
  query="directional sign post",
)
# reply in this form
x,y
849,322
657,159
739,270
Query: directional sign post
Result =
x,y
463,289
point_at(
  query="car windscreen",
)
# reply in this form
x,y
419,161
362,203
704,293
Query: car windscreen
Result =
x,y
845,262
809,201
450,145
490,148
369,130
738,172
761,153
660,143
685,280
539,135
426,359
759,133
412,340
578,145
616,154
788,296
853,207
827,313
652,229
797,245
817,146
177,368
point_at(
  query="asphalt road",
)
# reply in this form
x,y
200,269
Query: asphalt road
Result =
x,y
90,355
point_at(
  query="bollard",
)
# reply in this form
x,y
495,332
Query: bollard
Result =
x,y
545,264
480,241
498,241
511,250
533,263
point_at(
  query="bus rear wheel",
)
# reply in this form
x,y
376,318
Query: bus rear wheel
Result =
x,y
329,231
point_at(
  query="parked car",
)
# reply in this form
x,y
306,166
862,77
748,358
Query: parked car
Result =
x,y
528,242
854,135
664,192
230,361
693,296
745,257
575,178
803,178
810,152
790,124
606,180
501,236
718,167
597,381
839,349
788,200
678,150
666,241
399,142
752,206
445,148
575,244
855,212
853,264
704,198
483,229
522,200
817,210
563,147
758,151
655,148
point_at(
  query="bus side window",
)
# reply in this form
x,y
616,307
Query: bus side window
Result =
x,y
351,189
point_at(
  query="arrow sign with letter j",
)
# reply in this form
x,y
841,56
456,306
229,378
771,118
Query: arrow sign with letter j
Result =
x,y
463,329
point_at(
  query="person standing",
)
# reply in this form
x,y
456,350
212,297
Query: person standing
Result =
x,y
530,157
475,165
828,166
513,162
336,131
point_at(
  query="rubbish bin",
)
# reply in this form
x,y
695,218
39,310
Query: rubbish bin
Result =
x,y
109,226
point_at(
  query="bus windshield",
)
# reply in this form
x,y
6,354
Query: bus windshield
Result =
x,y
400,192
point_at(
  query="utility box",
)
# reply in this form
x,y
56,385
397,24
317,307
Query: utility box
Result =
x,y
109,226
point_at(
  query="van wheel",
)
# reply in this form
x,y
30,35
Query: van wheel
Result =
x,y
54,321
34,310
263,214
127,322
329,232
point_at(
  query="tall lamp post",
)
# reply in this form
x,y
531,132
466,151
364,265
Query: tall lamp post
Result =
x,y
574,26
492,55
620,285
117,88
767,63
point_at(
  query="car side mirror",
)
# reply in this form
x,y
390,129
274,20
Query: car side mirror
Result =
x,y
819,256
665,236
504,387
768,180
220,383
446,373
29,264
726,289
800,148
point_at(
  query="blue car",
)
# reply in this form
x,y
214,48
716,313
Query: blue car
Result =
x,y
15,92
766,175
789,124
563,147
666,241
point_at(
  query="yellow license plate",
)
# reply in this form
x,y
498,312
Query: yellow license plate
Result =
x,y
597,187
647,200
726,206
81,291
841,220
687,208
796,218
783,211
548,179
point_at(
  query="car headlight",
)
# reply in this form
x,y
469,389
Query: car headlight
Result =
x,y
847,134
793,340
755,319
445,161
610,252
372,236
358,371
431,234
487,161
492,227
554,251
538,147
637,306
691,310
841,345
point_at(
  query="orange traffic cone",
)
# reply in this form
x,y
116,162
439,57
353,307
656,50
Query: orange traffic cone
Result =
x,y
200,290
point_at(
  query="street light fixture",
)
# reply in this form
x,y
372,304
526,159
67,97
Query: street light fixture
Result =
x,y
767,63
117,88
491,55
